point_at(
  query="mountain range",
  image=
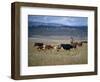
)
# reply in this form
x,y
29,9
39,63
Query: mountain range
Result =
x,y
55,29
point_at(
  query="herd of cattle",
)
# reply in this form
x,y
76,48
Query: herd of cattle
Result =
x,y
72,45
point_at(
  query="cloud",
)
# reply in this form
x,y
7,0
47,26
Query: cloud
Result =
x,y
65,20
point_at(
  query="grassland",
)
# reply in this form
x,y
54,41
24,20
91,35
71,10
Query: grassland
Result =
x,y
54,57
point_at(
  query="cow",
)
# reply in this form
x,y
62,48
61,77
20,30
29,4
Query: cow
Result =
x,y
67,46
79,44
49,47
75,43
39,46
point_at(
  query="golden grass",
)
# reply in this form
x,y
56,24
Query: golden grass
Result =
x,y
52,57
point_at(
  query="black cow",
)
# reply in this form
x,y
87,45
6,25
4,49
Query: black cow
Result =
x,y
38,44
67,46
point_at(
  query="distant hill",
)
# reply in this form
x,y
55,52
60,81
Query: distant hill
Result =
x,y
54,29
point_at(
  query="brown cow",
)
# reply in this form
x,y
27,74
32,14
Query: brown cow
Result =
x,y
49,47
79,44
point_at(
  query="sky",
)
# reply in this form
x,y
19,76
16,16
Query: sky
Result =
x,y
65,20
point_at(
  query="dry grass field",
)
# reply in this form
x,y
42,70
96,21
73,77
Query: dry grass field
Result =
x,y
53,57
